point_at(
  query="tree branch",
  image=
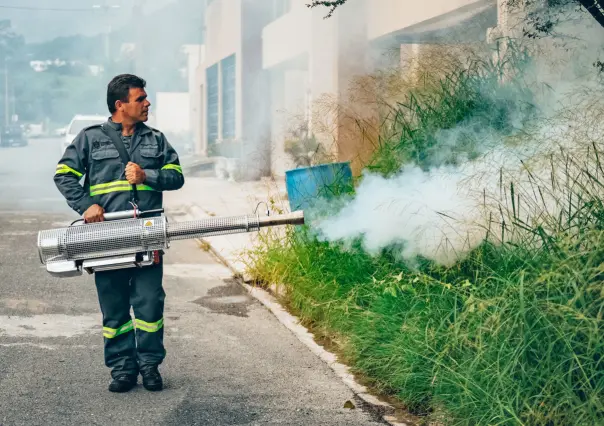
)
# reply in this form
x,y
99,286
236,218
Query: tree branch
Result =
x,y
331,4
595,8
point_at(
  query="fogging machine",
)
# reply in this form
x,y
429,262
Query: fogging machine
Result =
x,y
134,239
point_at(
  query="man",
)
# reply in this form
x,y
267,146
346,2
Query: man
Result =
x,y
131,347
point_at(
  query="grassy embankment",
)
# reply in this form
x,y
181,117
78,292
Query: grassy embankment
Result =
x,y
509,334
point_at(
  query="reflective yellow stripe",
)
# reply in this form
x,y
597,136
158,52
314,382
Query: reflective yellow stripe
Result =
x,y
173,167
110,333
149,327
64,168
116,186
120,189
112,184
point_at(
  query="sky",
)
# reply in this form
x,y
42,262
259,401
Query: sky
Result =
x,y
36,24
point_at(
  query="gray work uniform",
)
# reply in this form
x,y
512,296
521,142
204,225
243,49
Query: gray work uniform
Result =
x,y
129,345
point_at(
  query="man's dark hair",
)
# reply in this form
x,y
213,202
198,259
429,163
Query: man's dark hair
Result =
x,y
119,87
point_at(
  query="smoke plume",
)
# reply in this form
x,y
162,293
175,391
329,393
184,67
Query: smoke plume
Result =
x,y
442,211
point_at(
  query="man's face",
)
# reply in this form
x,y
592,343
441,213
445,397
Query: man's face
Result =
x,y
137,107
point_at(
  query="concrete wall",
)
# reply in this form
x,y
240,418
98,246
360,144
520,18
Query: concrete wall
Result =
x,y
323,78
196,57
223,30
353,144
255,97
287,37
172,112
223,38
198,106
394,15
289,112
301,58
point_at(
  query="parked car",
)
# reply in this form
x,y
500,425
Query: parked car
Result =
x,y
77,124
34,130
62,131
12,134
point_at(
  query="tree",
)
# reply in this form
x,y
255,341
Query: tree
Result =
x,y
595,8
11,43
71,48
11,62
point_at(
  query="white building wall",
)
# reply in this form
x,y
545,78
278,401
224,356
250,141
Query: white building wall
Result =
x,y
198,102
287,37
172,112
223,38
278,118
309,56
289,114
394,15
223,29
196,56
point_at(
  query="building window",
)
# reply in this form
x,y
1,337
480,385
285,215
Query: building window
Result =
x,y
280,8
228,92
212,108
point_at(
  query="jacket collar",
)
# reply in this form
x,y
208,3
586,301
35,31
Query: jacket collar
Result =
x,y
140,128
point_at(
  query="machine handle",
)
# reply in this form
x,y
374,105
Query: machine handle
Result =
x,y
126,214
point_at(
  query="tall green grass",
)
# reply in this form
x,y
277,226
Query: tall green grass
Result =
x,y
509,335
477,98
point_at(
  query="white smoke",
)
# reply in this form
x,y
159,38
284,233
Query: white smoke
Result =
x,y
442,213
411,208
437,214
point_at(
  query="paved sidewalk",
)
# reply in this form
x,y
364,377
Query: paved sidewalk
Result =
x,y
207,196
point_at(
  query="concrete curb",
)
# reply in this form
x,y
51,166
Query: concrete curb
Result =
x,y
292,323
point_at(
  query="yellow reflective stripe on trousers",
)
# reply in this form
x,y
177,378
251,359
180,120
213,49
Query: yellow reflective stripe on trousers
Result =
x,y
116,186
149,327
110,333
64,168
173,167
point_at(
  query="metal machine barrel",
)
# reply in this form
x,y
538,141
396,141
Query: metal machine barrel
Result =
x,y
229,225
130,236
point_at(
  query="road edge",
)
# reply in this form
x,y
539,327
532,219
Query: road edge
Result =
x,y
292,323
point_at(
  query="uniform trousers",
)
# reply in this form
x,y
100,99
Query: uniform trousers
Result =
x,y
132,344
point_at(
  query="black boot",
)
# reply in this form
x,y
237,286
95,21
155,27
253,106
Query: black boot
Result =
x,y
152,380
122,383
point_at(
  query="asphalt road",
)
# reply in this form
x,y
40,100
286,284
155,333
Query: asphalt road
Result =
x,y
26,175
229,361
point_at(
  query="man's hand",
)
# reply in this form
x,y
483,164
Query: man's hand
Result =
x,y
134,174
94,214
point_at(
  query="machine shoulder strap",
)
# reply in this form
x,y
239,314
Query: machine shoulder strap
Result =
x,y
121,149
117,141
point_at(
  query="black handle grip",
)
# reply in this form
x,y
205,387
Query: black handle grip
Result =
x,y
134,195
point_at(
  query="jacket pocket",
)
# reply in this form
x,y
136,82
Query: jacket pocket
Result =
x,y
150,155
104,151
106,164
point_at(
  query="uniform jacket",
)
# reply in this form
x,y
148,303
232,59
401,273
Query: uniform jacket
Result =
x,y
93,155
